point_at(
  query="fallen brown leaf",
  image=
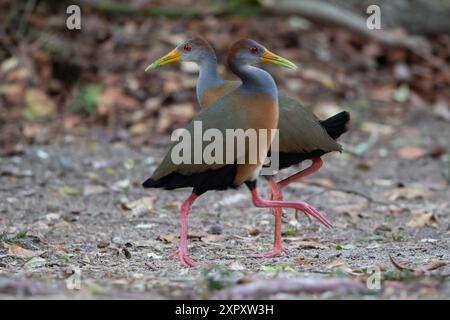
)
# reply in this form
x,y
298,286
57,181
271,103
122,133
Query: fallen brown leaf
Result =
x,y
168,238
93,189
308,244
146,203
408,193
422,218
436,152
19,252
302,261
335,263
363,166
38,104
252,230
411,152
382,228
351,210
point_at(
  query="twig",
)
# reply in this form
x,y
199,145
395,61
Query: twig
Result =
x,y
259,288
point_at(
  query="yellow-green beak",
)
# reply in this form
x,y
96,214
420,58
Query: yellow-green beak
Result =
x,y
276,59
172,56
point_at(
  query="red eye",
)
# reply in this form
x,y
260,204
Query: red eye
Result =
x,y
254,50
187,47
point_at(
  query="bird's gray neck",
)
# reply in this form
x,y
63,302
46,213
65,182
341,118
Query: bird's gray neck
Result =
x,y
255,80
208,77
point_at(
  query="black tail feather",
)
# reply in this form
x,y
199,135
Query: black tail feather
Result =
x,y
337,124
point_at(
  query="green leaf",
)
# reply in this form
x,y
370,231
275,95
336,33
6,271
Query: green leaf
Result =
x,y
21,234
29,114
86,98
402,93
277,268
69,191
292,232
129,164
398,235
348,247
375,237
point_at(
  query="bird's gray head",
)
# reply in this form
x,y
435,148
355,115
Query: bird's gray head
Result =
x,y
247,51
195,50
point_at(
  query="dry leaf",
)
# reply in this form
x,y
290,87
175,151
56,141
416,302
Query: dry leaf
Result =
x,y
303,261
363,166
168,238
323,78
351,210
93,189
146,203
408,193
334,263
422,218
411,152
19,252
112,97
39,104
195,235
437,152
382,228
308,244
252,230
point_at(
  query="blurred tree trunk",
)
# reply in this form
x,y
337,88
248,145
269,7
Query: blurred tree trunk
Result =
x,y
416,16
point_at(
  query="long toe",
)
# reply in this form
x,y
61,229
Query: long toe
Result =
x,y
188,262
308,210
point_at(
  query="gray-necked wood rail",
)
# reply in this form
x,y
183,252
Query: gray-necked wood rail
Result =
x,y
239,109
302,135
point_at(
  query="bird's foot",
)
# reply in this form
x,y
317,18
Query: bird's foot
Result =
x,y
296,215
309,211
186,261
302,206
274,253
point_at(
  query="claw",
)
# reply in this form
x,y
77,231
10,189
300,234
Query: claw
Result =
x,y
308,210
186,261
296,215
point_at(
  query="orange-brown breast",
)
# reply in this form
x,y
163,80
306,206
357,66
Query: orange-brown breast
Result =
x,y
262,113
212,94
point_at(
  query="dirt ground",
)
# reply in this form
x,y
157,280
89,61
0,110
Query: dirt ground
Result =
x,y
73,198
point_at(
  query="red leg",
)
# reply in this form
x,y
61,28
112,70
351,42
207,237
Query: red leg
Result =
x,y
258,201
277,246
182,247
316,165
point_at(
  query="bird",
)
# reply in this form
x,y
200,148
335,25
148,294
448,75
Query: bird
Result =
x,y
302,135
252,105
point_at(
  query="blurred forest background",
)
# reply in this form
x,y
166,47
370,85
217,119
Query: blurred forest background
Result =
x,y
82,125
55,80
